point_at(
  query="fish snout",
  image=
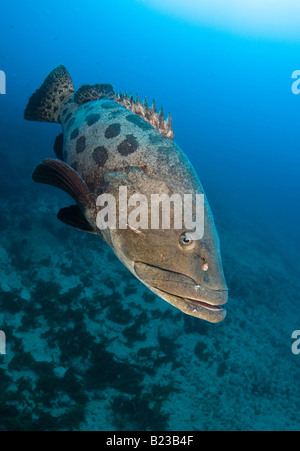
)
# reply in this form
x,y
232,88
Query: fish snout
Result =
x,y
194,297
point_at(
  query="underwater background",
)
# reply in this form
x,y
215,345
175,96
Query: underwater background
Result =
x,y
88,346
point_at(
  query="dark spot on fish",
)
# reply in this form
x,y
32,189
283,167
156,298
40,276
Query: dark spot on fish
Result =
x,y
91,119
112,131
100,155
141,123
128,146
74,133
59,146
71,123
65,111
80,144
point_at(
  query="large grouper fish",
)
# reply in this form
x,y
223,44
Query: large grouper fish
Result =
x,y
113,140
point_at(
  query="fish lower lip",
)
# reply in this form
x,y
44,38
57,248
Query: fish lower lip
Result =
x,y
212,307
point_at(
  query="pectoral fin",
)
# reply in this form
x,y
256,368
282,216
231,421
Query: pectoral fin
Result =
x,y
73,217
59,174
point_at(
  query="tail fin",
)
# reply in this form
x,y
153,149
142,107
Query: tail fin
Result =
x,y
44,105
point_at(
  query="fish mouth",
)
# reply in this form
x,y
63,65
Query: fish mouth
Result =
x,y
182,292
212,307
213,313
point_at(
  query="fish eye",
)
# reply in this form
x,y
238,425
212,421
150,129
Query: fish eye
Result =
x,y
186,241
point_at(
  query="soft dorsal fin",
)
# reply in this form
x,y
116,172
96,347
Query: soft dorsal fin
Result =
x,y
88,93
149,114
45,104
73,217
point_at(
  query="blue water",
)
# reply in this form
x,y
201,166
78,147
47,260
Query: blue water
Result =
x,y
88,347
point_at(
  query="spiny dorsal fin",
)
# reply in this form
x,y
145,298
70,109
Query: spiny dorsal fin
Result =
x,y
148,114
45,104
89,93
